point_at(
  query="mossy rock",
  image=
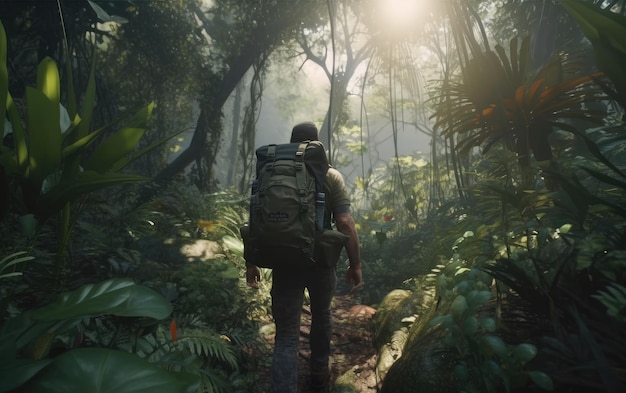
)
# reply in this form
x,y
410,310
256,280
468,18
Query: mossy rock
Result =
x,y
393,308
396,319
398,309
426,366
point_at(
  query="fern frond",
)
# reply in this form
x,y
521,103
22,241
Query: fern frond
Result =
x,y
614,299
209,345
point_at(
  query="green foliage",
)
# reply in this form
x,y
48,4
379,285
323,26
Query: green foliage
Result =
x,y
52,165
486,362
104,370
45,161
13,260
190,347
614,299
501,99
34,333
210,289
607,32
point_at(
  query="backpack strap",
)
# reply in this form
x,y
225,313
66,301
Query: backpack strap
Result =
x,y
271,156
300,176
269,166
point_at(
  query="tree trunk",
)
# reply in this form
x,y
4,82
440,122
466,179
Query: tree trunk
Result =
x,y
208,130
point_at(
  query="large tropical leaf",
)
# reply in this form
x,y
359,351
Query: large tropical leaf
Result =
x,y
120,297
114,148
43,110
108,371
607,32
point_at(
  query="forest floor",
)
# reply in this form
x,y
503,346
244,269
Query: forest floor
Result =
x,y
353,358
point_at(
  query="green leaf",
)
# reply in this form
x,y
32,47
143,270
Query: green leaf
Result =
x,y
113,149
524,353
606,31
140,119
108,371
489,324
121,297
470,325
459,306
13,259
234,244
44,134
48,81
19,134
541,379
15,373
104,16
476,299
127,160
495,344
81,184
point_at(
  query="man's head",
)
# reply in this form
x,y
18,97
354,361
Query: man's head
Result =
x,y
306,131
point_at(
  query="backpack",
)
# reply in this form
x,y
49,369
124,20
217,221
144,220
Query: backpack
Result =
x,y
286,204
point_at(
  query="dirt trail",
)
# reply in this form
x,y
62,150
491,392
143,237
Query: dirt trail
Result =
x,y
353,354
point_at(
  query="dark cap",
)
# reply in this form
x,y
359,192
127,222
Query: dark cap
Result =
x,y
306,131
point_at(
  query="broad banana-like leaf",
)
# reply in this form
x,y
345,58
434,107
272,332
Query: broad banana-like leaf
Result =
x,y
44,130
120,297
140,119
48,81
73,150
113,149
19,133
120,164
108,371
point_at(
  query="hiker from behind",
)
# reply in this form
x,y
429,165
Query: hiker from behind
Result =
x,y
288,289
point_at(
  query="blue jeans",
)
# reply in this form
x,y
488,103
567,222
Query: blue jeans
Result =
x,y
287,297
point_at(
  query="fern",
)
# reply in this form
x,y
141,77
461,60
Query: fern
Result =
x,y
210,345
10,261
614,299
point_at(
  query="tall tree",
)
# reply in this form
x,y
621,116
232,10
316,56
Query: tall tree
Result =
x,y
239,33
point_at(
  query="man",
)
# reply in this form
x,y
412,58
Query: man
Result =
x,y
288,290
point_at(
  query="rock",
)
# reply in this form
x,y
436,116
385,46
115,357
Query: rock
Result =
x,y
179,251
425,367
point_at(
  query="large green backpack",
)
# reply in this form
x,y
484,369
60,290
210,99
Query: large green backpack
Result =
x,y
286,204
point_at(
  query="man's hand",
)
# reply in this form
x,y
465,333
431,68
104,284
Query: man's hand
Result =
x,y
253,276
354,278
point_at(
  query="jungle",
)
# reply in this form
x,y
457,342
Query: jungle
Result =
x,y
483,145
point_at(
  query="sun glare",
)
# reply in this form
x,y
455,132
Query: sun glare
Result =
x,y
399,16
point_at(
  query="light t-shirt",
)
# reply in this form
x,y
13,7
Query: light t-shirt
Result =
x,y
337,200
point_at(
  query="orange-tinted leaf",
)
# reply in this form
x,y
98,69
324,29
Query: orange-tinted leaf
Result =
x,y
173,331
